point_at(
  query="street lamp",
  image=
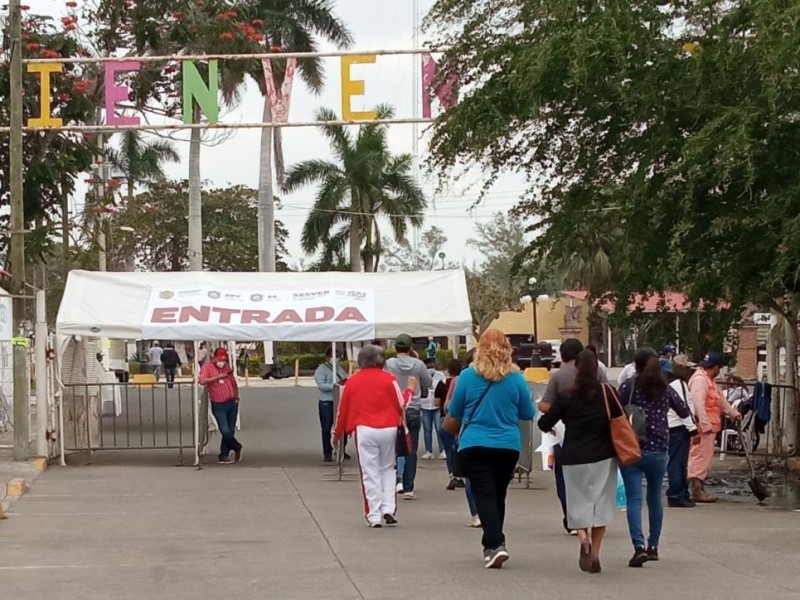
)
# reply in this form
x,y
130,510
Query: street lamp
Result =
x,y
532,285
442,255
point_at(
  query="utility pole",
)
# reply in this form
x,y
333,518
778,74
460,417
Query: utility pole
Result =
x,y
21,396
416,86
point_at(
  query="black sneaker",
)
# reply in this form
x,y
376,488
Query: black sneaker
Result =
x,y
639,558
389,519
682,503
652,554
453,484
460,483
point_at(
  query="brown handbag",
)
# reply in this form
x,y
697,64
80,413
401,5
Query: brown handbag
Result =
x,y
626,444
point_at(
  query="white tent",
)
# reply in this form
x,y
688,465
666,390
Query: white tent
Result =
x,y
333,307
264,306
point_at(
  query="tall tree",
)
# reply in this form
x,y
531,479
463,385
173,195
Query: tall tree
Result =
x,y
141,161
400,256
290,26
152,229
168,27
366,182
679,117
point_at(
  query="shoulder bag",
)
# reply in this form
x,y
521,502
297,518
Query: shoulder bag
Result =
x,y
623,437
458,467
402,444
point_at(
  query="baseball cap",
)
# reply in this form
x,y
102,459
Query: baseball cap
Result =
x,y
221,353
403,342
669,349
682,360
712,359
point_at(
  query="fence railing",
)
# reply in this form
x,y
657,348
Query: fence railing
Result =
x,y
128,416
767,439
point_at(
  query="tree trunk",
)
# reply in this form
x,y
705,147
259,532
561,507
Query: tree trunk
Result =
x,y
266,198
774,378
65,233
131,186
355,248
789,416
195,198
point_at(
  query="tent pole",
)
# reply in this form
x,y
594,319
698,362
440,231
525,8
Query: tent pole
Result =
x,y
196,404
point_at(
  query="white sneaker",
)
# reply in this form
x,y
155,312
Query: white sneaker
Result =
x,y
427,456
410,496
399,488
442,456
474,521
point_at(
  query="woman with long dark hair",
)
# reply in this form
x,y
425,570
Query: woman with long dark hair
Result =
x,y
587,456
648,392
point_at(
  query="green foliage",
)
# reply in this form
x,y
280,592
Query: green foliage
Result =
x,y
365,181
662,135
52,161
400,256
159,238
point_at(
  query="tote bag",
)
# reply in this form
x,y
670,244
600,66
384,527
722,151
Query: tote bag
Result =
x,y
626,444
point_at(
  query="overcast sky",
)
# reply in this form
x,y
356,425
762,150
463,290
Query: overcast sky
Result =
x,y
375,24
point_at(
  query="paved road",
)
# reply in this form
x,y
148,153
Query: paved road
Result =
x,y
133,526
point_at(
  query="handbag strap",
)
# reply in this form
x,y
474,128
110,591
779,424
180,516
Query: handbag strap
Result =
x,y
477,405
605,400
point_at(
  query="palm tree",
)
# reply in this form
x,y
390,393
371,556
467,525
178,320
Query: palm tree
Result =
x,y
365,182
140,161
292,26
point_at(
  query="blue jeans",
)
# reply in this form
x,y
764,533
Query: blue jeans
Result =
x,y
225,413
170,374
156,369
407,466
652,468
679,442
432,417
326,424
449,443
473,508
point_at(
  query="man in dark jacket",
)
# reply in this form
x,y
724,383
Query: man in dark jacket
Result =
x,y
171,362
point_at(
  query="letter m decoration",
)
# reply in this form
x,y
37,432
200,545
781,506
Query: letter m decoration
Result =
x,y
440,81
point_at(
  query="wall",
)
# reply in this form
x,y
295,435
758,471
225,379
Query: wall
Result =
x,y
550,319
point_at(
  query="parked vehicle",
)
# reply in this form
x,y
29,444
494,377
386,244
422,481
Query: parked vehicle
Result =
x,y
527,352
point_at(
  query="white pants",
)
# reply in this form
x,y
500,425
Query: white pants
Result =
x,y
376,461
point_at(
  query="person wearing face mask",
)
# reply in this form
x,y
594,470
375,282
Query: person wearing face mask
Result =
x,y
223,393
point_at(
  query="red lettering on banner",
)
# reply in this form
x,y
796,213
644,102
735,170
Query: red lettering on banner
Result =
x,y
255,316
351,314
319,314
225,314
189,313
288,316
164,315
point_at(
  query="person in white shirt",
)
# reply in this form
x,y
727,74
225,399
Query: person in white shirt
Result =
x,y
155,359
431,414
628,372
682,433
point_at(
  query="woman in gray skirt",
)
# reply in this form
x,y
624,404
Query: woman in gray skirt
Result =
x,y
590,465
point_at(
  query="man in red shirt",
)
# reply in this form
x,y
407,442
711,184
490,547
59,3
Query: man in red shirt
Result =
x,y
223,393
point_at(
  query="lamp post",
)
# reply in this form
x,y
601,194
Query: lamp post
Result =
x,y
442,256
532,285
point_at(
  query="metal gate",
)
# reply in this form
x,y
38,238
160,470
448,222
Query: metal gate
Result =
x,y
128,416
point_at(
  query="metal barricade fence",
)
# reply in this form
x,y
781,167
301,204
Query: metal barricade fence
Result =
x,y
766,438
128,416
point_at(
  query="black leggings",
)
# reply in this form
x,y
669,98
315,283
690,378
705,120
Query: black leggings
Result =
x,y
490,471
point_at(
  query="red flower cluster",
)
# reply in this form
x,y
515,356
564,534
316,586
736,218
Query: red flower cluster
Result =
x,y
64,97
82,86
114,182
72,4
226,36
67,20
226,16
50,54
275,49
250,32
257,22
33,46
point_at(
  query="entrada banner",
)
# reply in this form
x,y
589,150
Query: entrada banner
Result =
x,y
301,315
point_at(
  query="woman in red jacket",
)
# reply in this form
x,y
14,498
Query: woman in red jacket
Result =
x,y
372,406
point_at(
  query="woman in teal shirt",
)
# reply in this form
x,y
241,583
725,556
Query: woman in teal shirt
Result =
x,y
489,400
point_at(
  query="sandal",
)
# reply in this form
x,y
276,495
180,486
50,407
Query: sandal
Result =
x,y
585,560
596,568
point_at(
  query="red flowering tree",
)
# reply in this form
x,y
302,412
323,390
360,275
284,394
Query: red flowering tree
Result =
x,y
52,160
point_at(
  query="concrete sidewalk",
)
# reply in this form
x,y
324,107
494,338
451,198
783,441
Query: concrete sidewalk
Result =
x,y
132,526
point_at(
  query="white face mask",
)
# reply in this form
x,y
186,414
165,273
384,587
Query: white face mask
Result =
x,y
221,363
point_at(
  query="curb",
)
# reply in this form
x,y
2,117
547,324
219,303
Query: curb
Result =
x,y
19,486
